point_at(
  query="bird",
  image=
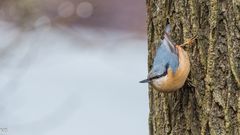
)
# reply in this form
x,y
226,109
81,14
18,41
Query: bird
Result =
x,y
171,65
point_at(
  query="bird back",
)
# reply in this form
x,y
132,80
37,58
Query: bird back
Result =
x,y
165,58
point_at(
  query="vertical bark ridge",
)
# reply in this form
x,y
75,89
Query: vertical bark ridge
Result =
x,y
209,103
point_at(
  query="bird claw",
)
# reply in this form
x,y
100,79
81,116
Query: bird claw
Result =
x,y
189,83
189,41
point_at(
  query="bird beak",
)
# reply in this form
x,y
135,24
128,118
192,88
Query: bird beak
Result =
x,y
145,81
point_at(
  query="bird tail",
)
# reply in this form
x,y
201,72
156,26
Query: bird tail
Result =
x,y
168,29
171,44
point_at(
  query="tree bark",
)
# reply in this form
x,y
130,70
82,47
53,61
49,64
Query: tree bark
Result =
x,y
209,102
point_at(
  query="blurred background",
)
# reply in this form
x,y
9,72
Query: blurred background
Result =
x,y
73,67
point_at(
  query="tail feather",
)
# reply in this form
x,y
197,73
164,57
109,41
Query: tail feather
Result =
x,y
168,28
170,42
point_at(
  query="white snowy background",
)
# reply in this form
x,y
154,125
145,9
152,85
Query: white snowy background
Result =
x,y
57,80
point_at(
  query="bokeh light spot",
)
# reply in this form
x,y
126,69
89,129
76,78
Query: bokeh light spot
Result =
x,y
84,9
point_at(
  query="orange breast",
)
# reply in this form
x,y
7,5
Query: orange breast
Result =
x,y
171,81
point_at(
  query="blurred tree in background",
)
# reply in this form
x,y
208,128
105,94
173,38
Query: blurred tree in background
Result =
x,y
90,13
22,12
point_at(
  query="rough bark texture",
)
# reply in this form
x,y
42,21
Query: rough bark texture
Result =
x,y
209,103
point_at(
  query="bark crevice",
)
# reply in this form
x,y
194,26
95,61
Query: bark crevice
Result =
x,y
209,103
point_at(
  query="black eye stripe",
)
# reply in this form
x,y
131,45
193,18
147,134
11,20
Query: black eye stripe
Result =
x,y
163,74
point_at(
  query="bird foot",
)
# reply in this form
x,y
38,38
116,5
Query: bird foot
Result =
x,y
189,41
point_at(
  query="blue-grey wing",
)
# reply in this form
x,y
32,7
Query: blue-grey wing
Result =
x,y
164,59
166,56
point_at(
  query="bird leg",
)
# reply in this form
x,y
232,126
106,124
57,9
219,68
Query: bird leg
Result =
x,y
189,41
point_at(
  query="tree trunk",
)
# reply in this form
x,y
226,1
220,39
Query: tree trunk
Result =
x,y
209,102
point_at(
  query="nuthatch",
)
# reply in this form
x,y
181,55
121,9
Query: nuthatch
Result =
x,y
170,67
